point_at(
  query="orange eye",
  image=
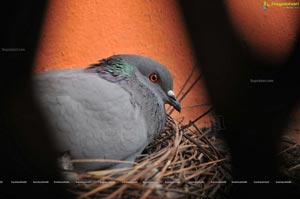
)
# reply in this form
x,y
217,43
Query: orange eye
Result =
x,y
153,77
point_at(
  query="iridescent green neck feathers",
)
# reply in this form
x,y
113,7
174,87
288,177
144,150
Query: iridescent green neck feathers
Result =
x,y
112,69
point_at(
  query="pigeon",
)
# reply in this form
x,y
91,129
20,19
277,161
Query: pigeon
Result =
x,y
111,109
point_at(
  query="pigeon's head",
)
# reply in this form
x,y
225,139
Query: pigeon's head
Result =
x,y
155,75
118,68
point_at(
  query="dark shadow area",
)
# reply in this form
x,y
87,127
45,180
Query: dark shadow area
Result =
x,y
25,148
255,113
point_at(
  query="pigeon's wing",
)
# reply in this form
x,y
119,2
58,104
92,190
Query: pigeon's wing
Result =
x,y
91,117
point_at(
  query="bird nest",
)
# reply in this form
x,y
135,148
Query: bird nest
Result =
x,y
182,162
289,159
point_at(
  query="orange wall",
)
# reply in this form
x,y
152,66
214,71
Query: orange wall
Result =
x,y
79,32
271,32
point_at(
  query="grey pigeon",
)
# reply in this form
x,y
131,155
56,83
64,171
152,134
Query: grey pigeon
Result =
x,y
110,110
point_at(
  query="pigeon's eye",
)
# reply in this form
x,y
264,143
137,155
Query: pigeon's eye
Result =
x,y
153,77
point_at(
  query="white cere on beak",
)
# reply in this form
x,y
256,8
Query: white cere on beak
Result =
x,y
171,94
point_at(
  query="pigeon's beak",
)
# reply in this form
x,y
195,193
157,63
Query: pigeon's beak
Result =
x,y
173,101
